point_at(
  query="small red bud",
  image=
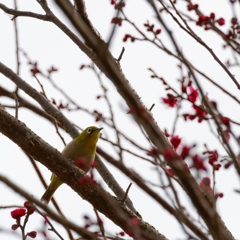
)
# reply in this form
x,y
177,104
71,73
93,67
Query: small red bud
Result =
x,y
221,21
18,213
220,195
212,15
32,234
31,210
26,204
15,226
82,66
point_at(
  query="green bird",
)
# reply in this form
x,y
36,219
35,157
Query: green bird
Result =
x,y
81,150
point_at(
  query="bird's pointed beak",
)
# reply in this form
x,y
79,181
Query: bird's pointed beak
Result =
x,y
99,129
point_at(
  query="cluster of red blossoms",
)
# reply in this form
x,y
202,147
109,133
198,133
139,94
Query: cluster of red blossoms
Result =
x,y
150,28
192,95
205,185
117,20
200,113
191,7
21,212
34,70
205,20
52,69
197,162
98,115
170,100
128,36
60,105
212,159
119,6
224,120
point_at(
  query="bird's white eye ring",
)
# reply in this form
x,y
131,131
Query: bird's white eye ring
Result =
x,y
89,130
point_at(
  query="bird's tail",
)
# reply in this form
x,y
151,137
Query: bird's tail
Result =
x,y
53,186
46,197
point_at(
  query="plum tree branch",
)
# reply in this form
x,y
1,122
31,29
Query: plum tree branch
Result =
x,y
67,172
65,124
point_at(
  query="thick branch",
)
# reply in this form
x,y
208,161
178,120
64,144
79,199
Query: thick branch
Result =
x,y
33,145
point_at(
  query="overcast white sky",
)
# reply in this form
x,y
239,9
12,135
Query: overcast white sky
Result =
x,y
47,45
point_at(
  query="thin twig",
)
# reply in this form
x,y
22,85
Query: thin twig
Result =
x,y
16,105
126,193
49,223
150,109
100,224
114,25
16,39
121,54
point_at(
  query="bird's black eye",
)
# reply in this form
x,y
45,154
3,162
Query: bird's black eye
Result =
x,y
89,130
